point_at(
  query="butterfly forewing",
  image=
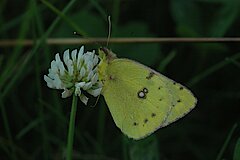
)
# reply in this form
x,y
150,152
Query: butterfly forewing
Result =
x,y
139,98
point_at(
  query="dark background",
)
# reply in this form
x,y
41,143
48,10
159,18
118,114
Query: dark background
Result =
x,y
34,118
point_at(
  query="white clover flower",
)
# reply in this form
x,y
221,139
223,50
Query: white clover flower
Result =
x,y
75,74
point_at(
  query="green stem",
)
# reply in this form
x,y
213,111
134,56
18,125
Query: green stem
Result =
x,y
71,128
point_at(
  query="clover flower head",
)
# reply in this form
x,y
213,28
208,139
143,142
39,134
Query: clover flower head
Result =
x,y
77,72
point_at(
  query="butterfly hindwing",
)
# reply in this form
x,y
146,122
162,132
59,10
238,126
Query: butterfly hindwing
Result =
x,y
183,102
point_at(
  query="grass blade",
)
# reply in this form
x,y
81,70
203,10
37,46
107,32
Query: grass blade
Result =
x,y
62,15
211,70
233,61
236,155
220,154
29,127
166,61
99,8
7,128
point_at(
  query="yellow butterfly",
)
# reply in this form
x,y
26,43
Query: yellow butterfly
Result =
x,y
140,99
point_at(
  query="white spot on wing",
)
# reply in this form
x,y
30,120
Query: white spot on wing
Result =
x,y
141,94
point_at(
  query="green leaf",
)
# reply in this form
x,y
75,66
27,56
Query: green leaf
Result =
x,y
204,17
146,149
224,18
187,16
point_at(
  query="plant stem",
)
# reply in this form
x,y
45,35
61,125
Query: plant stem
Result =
x,y
89,40
71,128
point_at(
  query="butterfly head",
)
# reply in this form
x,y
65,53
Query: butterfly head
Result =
x,y
106,56
106,53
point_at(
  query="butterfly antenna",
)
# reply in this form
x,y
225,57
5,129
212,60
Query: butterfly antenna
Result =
x,y
109,29
95,102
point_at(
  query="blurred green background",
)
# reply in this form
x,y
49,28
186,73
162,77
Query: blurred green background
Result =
x,y
34,118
